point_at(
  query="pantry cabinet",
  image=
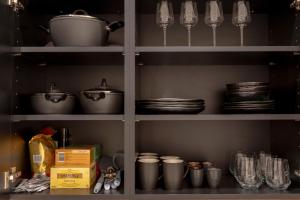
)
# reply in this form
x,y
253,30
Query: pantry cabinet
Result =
x,y
136,62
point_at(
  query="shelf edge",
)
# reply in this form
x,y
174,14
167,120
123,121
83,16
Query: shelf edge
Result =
x,y
17,118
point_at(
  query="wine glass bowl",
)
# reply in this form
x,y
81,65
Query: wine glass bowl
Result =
x,y
189,16
164,17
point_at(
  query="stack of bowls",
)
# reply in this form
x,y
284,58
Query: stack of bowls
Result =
x,y
248,97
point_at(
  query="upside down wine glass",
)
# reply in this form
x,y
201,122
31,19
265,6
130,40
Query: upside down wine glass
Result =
x,y
241,16
214,16
164,17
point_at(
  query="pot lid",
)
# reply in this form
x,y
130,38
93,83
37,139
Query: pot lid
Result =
x,y
77,14
103,88
53,91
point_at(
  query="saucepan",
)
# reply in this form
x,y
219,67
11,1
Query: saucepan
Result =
x,y
81,29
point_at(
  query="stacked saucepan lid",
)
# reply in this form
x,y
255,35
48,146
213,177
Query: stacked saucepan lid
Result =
x,y
248,97
80,29
99,100
170,106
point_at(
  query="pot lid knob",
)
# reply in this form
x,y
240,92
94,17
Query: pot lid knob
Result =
x,y
53,88
103,84
80,12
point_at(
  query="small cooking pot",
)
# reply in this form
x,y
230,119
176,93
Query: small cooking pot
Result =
x,y
102,100
81,29
53,102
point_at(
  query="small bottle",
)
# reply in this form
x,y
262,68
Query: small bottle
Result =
x,y
65,137
62,137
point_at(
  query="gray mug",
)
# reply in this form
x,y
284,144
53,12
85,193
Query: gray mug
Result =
x,y
196,177
118,161
173,173
148,173
214,176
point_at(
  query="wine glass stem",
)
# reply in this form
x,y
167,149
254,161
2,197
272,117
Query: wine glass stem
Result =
x,y
214,27
165,35
189,35
242,34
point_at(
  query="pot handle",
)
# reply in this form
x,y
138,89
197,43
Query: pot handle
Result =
x,y
94,96
186,172
45,29
80,12
115,26
55,98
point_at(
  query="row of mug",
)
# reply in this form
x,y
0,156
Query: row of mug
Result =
x,y
173,172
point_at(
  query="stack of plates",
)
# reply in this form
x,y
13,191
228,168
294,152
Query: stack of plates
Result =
x,y
170,106
248,97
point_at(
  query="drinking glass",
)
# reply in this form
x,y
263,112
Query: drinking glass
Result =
x,y
214,16
248,173
164,17
235,158
189,16
241,16
264,158
278,174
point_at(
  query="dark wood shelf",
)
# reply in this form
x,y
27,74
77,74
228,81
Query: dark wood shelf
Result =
x,y
229,189
218,49
219,117
103,49
70,194
55,117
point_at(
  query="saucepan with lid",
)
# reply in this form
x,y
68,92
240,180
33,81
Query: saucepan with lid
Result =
x,y
53,101
81,29
102,100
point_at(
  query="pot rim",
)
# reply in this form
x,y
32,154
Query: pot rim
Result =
x,y
96,91
53,93
72,16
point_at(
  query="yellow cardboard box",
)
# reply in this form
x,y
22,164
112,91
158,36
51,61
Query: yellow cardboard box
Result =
x,y
83,156
72,177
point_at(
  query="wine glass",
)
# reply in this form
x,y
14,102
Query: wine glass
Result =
x,y
241,16
189,16
164,17
214,16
